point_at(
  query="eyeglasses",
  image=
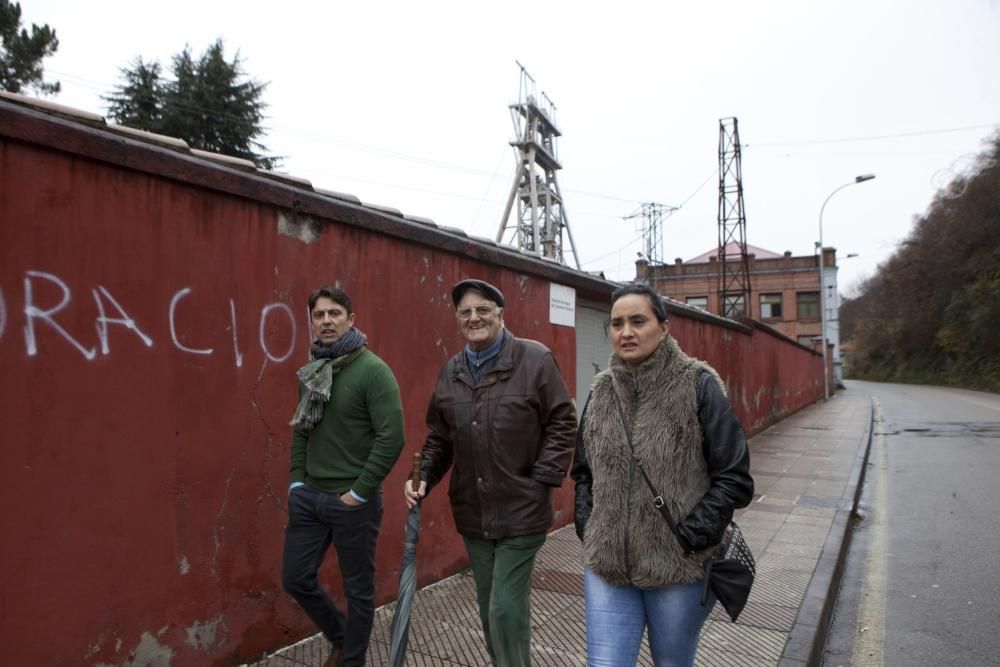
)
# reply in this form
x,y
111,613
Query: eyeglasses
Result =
x,y
482,310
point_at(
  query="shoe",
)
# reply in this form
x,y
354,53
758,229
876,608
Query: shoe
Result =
x,y
336,658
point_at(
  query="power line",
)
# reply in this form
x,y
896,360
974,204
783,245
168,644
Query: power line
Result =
x,y
636,212
875,137
613,252
901,155
102,88
98,86
600,196
698,189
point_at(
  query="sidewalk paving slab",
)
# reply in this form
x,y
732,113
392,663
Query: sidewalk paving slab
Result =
x,y
807,469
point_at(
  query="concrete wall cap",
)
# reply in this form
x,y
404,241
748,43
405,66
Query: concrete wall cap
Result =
x,y
52,107
384,209
225,159
341,196
453,230
286,178
150,137
420,219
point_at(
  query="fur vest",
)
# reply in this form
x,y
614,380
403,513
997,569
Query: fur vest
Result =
x,y
627,540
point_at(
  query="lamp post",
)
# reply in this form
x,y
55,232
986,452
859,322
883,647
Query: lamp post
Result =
x,y
822,291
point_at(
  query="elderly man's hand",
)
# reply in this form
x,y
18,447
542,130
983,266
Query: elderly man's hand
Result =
x,y
412,497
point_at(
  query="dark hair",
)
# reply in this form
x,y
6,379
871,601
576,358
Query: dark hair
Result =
x,y
655,302
335,294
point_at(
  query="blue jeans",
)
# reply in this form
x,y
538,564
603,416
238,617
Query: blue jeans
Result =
x,y
316,520
617,615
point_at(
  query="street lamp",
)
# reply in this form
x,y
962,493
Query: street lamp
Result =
x,y
822,292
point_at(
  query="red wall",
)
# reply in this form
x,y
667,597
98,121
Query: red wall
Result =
x,y
768,376
145,450
151,481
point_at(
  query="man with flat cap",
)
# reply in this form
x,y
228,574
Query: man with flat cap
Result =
x,y
501,415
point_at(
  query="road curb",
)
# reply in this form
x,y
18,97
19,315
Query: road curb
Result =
x,y
808,634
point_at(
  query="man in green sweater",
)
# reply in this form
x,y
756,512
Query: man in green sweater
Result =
x,y
347,434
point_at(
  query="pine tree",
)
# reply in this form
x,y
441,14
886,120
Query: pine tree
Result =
x,y
183,116
21,54
210,103
138,101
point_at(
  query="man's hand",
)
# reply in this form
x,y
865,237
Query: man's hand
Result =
x,y
350,500
413,497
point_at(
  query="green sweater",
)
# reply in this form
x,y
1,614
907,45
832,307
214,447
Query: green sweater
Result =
x,y
360,436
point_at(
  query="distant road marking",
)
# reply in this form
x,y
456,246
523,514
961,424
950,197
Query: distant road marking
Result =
x,y
969,400
869,649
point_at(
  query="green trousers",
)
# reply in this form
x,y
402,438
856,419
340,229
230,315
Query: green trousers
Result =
x,y
502,570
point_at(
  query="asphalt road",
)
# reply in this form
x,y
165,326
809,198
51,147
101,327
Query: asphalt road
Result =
x,y
922,578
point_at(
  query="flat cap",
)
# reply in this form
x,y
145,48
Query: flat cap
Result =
x,y
491,292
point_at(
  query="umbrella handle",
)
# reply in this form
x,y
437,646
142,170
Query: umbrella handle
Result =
x,y
417,471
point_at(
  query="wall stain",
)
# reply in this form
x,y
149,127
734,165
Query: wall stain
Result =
x,y
301,227
149,653
201,635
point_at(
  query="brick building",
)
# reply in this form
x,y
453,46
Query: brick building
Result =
x,y
784,291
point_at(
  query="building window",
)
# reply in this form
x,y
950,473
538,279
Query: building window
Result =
x,y
808,305
734,306
698,302
770,306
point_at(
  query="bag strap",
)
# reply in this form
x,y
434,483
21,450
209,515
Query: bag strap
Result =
x,y
657,498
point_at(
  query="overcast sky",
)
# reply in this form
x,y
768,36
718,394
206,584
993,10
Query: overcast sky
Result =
x,y
405,104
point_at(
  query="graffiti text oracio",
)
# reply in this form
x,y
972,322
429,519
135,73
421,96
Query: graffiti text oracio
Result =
x,y
109,312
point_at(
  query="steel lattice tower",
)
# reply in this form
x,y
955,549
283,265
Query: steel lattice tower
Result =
x,y
652,230
541,221
734,264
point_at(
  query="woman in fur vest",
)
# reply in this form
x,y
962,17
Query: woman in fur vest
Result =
x,y
685,437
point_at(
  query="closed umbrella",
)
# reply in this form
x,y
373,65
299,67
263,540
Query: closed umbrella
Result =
x,y
400,630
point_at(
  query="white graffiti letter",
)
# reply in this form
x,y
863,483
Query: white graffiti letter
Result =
x,y
309,333
263,325
31,313
173,329
3,315
236,346
103,320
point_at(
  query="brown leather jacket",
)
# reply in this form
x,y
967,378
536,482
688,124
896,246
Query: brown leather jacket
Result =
x,y
510,438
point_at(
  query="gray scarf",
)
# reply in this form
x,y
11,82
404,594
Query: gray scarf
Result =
x,y
325,361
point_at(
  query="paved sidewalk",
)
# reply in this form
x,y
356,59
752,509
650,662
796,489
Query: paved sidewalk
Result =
x,y
806,470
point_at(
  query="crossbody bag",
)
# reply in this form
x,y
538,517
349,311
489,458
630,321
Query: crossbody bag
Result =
x,y
730,576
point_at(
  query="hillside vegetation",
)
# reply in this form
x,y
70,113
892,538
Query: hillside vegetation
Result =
x,y
931,313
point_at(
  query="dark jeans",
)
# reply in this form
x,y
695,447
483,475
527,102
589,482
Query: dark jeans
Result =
x,y
316,520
